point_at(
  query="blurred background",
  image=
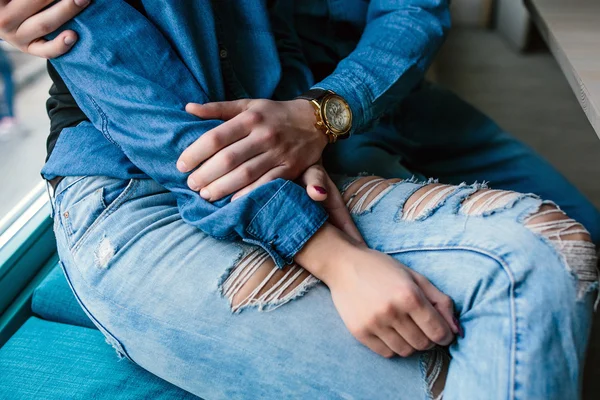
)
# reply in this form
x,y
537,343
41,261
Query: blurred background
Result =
x,y
494,58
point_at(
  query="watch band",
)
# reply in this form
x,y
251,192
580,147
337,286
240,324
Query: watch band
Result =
x,y
314,94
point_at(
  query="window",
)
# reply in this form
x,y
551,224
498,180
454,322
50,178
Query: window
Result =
x,y
24,127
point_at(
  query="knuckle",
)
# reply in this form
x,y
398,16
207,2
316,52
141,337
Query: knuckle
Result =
x,y
406,352
359,332
387,353
253,117
423,344
44,27
4,24
446,302
410,299
260,103
388,311
439,336
270,136
214,141
229,159
246,174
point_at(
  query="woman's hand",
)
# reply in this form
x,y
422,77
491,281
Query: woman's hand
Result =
x,y
321,188
384,304
260,141
23,24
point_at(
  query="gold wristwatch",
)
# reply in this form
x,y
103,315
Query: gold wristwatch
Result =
x,y
334,116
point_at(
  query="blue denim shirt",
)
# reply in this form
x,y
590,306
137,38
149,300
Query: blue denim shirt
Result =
x,y
132,76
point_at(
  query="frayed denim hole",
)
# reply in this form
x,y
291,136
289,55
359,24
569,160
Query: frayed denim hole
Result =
x,y
399,217
485,202
272,292
434,199
434,369
578,256
347,181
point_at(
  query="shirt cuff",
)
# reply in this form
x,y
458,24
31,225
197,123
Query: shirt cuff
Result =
x,y
285,223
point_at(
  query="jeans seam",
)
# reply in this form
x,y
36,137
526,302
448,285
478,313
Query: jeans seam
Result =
x,y
93,318
512,300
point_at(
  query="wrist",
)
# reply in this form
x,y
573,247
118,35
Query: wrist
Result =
x,y
325,254
306,116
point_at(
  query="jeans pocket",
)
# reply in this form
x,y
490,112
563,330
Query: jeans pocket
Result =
x,y
87,202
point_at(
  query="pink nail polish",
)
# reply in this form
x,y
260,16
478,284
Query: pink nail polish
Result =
x,y
459,329
320,189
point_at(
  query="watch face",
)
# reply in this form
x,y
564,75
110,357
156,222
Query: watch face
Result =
x,y
338,114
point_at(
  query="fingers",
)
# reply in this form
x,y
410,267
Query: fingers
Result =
x,y
244,175
428,319
395,342
225,161
378,346
441,302
25,25
213,141
316,181
17,11
53,48
412,334
223,110
279,172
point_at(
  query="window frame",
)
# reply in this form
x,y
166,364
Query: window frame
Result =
x,y
27,255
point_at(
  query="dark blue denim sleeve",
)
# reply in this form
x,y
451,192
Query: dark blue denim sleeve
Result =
x,y
132,85
398,44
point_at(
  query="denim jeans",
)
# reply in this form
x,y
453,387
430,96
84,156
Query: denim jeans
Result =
x,y
160,289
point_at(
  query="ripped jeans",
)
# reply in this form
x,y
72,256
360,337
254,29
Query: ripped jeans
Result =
x,y
163,293
187,307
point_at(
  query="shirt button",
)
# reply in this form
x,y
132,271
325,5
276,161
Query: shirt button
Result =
x,y
223,53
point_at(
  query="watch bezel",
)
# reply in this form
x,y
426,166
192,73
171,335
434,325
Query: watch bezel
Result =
x,y
336,132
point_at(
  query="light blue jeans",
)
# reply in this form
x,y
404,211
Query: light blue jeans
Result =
x,y
154,286
160,290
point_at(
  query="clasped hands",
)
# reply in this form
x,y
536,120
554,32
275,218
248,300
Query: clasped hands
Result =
x,y
259,141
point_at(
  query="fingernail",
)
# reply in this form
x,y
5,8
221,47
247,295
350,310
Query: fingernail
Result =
x,y
320,189
69,40
192,184
459,329
82,3
181,166
205,194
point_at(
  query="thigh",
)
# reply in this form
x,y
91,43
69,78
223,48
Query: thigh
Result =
x,y
155,286
445,137
511,270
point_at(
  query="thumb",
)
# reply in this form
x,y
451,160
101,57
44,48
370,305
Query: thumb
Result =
x,y
223,110
321,188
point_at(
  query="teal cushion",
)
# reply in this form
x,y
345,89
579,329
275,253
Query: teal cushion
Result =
x,y
49,360
54,301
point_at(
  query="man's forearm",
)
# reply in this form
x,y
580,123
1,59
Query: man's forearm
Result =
x,y
135,92
397,46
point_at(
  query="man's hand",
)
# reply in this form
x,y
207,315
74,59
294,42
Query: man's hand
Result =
x,y
23,24
260,141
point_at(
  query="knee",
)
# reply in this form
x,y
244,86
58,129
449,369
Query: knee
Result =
x,y
569,238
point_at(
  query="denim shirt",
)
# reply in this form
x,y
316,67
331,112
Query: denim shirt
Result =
x,y
133,76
